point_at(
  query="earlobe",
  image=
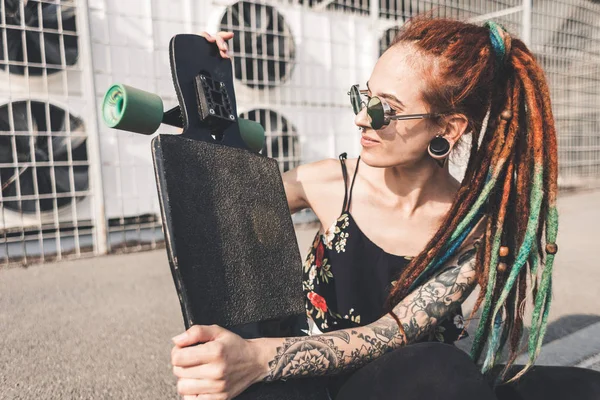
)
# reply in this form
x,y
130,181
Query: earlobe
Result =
x,y
439,148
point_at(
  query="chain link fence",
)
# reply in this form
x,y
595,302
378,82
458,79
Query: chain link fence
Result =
x,y
72,187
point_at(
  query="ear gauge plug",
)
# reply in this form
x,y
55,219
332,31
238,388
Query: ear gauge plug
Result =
x,y
438,149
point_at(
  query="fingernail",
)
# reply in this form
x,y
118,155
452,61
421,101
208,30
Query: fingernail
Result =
x,y
179,338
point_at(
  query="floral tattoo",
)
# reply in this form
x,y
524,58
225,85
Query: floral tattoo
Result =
x,y
420,313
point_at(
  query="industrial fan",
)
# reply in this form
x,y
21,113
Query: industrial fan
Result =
x,y
43,42
263,45
42,155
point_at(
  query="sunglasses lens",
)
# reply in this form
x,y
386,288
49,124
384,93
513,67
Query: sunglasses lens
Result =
x,y
355,99
375,112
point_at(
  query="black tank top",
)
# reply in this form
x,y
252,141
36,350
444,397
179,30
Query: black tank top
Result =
x,y
346,277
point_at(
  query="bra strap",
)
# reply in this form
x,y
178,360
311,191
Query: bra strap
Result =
x,y
352,185
343,157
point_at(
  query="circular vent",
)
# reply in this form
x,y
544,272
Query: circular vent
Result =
x,y
263,47
281,139
60,158
387,39
40,42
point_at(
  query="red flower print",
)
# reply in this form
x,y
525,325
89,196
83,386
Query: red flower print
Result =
x,y
319,255
317,301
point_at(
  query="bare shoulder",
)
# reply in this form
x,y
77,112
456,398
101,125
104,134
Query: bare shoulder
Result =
x,y
319,172
305,184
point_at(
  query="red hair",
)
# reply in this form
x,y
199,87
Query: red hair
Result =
x,y
516,154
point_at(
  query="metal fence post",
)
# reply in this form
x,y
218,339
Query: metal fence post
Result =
x,y
93,140
526,21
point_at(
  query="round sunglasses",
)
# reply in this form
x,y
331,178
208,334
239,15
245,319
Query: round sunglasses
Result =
x,y
379,111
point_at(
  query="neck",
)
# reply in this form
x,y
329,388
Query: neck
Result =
x,y
410,186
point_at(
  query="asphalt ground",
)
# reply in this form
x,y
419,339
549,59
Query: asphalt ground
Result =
x,y
100,328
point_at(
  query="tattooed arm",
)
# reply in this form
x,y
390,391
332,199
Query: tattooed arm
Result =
x,y
348,349
210,359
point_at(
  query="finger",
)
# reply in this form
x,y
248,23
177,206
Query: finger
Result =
x,y
197,334
221,44
193,355
225,35
208,37
190,397
199,386
224,54
204,371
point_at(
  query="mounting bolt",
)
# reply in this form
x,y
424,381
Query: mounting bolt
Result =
x,y
222,84
231,117
211,111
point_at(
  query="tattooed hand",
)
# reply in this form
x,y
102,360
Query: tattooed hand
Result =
x,y
349,349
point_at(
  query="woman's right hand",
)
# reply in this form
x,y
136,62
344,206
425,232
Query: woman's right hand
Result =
x,y
219,39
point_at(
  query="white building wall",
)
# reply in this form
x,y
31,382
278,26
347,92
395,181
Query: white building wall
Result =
x,y
326,47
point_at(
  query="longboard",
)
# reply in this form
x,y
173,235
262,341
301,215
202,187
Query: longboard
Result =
x,y
229,235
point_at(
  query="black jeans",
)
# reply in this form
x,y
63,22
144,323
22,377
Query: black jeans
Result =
x,y
431,371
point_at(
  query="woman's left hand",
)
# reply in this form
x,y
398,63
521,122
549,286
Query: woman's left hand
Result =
x,y
214,363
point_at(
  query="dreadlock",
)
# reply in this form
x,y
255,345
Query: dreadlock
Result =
x,y
511,178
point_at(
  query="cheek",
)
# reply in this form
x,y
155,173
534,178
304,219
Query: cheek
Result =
x,y
401,146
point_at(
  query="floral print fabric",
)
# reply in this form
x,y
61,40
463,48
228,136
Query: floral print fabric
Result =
x,y
346,279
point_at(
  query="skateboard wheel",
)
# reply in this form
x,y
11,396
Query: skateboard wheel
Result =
x,y
130,109
253,134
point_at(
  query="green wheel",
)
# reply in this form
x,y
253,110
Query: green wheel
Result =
x,y
253,134
130,109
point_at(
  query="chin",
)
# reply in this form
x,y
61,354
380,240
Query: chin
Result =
x,y
376,159
382,159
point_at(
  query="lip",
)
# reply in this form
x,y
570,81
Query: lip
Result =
x,y
367,141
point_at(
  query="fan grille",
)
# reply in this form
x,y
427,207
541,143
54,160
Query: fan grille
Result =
x,y
263,45
41,37
348,6
387,38
43,157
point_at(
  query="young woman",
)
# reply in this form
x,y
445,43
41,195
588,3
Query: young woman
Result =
x,y
408,243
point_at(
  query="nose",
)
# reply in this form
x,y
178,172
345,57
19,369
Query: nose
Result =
x,y
362,119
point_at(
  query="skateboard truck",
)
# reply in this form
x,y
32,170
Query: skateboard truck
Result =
x,y
205,87
134,110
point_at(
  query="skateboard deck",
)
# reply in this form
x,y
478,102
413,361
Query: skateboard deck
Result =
x,y
230,239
